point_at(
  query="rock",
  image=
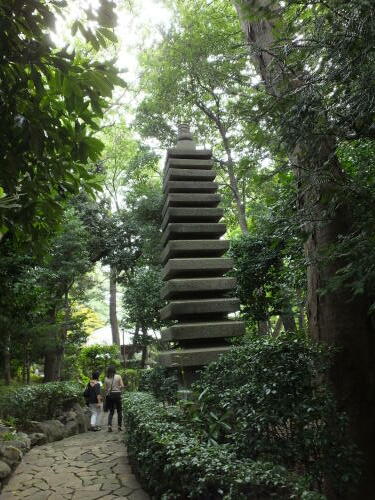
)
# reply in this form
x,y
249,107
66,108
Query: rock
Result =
x,y
20,445
10,454
23,439
38,438
5,470
71,428
4,429
71,416
82,418
53,429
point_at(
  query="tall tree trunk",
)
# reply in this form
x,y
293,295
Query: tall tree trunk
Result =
x,y
7,373
263,327
50,355
28,367
277,328
241,209
301,311
144,346
50,362
288,322
113,305
336,318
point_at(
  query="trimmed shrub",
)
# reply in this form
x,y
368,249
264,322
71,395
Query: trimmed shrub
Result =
x,y
160,382
273,405
172,461
40,401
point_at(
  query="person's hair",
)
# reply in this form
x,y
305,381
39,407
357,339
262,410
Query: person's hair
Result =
x,y
95,374
111,370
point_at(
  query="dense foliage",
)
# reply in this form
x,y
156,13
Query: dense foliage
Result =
x,y
174,463
159,382
271,396
51,102
262,403
39,401
97,357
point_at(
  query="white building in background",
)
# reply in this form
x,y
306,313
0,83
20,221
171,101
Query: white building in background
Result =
x,y
103,336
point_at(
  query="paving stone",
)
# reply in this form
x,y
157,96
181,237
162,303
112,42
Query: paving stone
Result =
x,y
129,481
111,485
88,495
41,495
138,495
86,466
123,491
28,492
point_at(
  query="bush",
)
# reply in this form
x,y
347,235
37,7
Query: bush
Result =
x,y
131,378
40,401
159,382
98,357
174,463
273,405
134,363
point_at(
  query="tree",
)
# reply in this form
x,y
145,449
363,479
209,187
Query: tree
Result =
x,y
51,102
68,261
207,79
128,167
311,72
142,304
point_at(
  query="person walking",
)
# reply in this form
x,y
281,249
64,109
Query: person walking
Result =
x,y
113,388
94,399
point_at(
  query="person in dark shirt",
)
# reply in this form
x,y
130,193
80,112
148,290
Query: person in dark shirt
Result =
x,y
94,400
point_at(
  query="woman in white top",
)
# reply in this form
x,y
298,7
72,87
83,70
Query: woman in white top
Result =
x,y
113,385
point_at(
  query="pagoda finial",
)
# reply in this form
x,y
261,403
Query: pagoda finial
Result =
x,y
184,138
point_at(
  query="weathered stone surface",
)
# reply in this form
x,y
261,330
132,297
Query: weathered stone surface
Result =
x,y
191,357
82,418
185,230
188,163
193,262
24,439
23,445
38,438
196,267
178,308
189,152
195,286
200,330
4,429
190,200
190,187
71,428
180,214
85,466
53,429
10,454
194,248
189,174
5,470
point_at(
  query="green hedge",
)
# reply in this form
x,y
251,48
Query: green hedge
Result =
x,y
39,401
173,463
160,382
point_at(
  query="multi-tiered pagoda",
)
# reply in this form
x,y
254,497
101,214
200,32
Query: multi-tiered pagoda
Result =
x,y
197,291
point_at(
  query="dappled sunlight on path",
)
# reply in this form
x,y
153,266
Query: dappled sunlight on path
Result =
x,y
86,466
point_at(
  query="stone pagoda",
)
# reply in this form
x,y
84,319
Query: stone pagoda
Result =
x,y
197,291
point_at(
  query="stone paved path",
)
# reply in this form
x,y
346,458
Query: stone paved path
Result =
x,y
87,466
